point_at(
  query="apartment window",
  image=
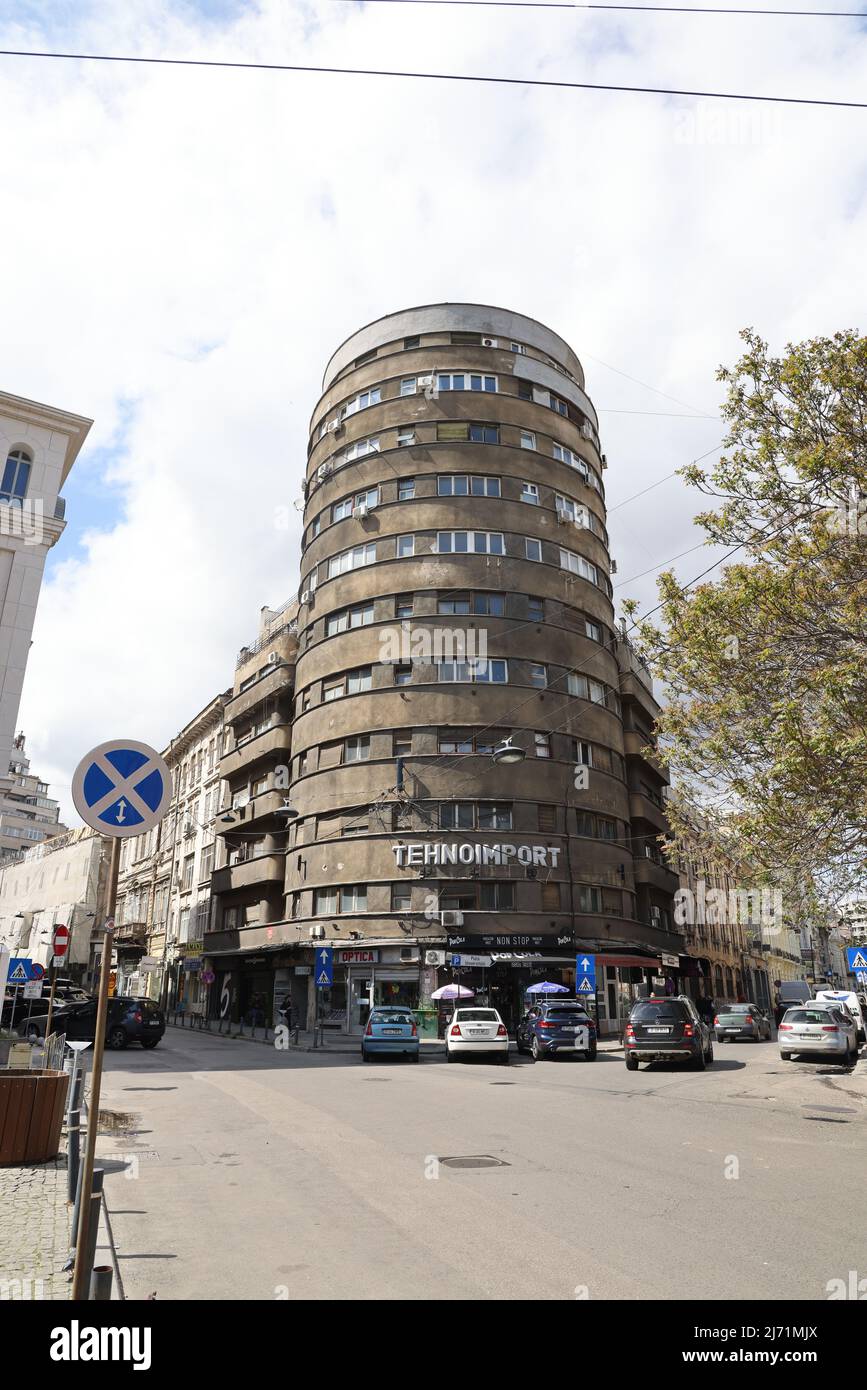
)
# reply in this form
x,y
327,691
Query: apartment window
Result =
x,y
469,339
458,900
517,347
538,674
572,459
594,631
459,485
358,825
576,564
324,901
408,386
532,548
356,750
401,745
572,510
358,680
469,672
401,897
542,745
456,815
530,493
333,689
606,829
361,402
353,898
347,505
597,692
187,881
405,489
550,897
411,342
206,865
360,448
528,439
465,381
525,390
403,675
582,752
497,896
260,786
451,742
352,559
588,899
16,475
558,404
403,606
405,437
489,605
536,610
493,815
470,543
359,616
405,547
365,357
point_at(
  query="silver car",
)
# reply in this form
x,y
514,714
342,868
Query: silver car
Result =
x,y
818,1030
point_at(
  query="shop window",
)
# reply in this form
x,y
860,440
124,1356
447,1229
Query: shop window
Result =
x,y
497,896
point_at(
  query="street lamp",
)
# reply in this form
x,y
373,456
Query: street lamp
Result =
x,y
507,752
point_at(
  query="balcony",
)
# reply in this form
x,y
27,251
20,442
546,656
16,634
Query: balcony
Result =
x,y
264,869
642,807
654,873
260,812
272,744
131,934
636,746
279,680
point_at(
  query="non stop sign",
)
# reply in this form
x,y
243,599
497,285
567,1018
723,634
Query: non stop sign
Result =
x,y
60,940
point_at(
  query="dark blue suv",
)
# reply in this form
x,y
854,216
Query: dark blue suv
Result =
x,y
557,1025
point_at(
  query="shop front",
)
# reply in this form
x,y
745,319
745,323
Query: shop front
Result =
x,y
500,969
365,978
622,978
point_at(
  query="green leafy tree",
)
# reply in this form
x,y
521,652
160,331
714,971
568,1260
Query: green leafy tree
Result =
x,y
765,664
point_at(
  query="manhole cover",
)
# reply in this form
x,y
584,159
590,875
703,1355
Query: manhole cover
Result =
x,y
110,1121
474,1161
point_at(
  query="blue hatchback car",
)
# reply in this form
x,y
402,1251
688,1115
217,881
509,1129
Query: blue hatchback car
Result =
x,y
393,1030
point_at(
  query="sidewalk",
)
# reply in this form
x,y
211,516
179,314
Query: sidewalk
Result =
x,y
34,1231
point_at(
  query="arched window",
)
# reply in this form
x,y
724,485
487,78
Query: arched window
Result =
x,y
16,476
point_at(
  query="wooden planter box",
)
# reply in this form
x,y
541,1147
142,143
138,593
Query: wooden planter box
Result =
x,y
31,1114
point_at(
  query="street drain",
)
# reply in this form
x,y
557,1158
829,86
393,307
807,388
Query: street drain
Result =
x,y
474,1161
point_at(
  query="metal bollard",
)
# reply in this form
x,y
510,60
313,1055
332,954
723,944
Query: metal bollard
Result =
x,y
77,1208
100,1284
73,1139
93,1222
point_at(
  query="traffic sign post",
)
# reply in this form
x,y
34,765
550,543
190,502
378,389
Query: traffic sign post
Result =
x,y
59,943
323,978
120,788
585,981
856,960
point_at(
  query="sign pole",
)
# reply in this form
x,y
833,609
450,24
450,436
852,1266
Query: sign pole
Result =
x,y
81,1277
52,975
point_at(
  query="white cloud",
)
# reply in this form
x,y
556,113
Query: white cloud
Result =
x,y
188,247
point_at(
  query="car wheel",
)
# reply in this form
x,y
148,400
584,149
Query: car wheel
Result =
x,y
451,1056
149,1042
590,1055
699,1062
710,1055
631,1062
116,1039
536,1051
416,1056
785,1056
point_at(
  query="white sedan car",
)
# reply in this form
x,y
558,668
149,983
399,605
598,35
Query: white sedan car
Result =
x,y
477,1032
817,1029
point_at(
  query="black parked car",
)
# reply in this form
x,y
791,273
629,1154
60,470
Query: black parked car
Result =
x,y
129,1020
16,1007
660,1029
557,1025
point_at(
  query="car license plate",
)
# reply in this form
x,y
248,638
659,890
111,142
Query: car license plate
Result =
x,y
659,1030
391,1032
153,1023
477,1032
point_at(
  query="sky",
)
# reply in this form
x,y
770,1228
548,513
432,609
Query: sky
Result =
x,y
184,248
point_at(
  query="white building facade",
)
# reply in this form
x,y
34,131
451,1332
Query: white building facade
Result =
x,y
63,881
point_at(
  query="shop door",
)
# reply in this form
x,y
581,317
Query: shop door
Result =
x,y
359,1002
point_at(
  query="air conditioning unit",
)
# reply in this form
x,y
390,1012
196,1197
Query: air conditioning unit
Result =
x,y
332,427
489,342
306,596
434,957
324,469
580,519
425,380
563,516
317,931
587,430
408,953
604,461
274,658
451,919
613,566
189,829
362,510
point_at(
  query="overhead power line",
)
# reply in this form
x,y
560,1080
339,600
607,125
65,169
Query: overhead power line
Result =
x,y
552,83
650,9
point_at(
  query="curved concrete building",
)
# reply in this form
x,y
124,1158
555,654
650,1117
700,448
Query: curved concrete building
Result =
x,y
455,594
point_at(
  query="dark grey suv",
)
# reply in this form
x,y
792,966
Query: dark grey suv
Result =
x,y
129,1020
660,1029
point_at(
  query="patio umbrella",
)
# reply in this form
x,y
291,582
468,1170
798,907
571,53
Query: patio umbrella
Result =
x,y
453,992
547,987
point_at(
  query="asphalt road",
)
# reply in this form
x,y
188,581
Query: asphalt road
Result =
x,y
235,1171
